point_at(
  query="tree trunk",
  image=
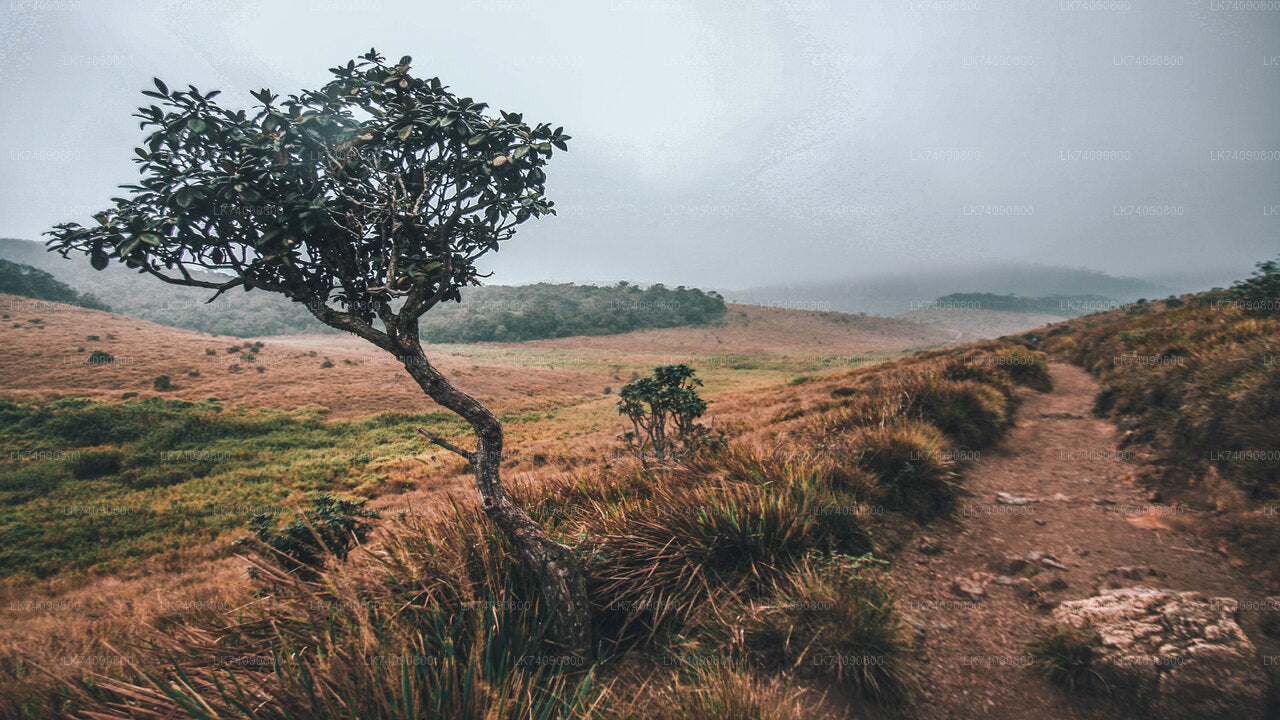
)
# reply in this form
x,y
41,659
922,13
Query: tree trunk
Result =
x,y
562,582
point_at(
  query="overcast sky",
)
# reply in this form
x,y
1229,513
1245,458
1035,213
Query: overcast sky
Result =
x,y
738,143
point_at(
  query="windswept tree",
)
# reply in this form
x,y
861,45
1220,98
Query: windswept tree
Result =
x,y
369,201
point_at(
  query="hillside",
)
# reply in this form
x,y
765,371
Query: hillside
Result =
x,y
48,349
488,313
25,281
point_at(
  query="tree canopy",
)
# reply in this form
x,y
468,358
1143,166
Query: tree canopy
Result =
x,y
379,188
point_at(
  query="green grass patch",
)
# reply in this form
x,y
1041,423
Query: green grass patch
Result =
x,y
98,486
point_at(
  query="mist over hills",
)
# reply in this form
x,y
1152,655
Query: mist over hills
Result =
x,y
905,292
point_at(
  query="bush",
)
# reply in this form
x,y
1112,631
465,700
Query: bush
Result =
x,y
663,409
210,351
95,464
331,527
162,383
100,357
327,363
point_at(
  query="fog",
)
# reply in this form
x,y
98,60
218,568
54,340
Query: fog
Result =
x,y
733,144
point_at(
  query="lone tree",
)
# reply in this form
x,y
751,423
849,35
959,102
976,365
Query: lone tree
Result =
x,y
369,201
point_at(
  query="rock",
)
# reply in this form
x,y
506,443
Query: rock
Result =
x,y
929,546
1007,499
1153,496
1007,564
1056,584
1102,501
1061,498
1045,559
1005,580
1179,655
1026,590
1135,572
1038,521
972,588
1123,576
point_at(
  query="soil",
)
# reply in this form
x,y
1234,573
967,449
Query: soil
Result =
x,y
1074,500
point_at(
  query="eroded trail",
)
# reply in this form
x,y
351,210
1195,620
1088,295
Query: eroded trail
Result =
x,y
1065,495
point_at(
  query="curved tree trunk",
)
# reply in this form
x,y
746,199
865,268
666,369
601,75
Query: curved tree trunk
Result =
x,y
562,582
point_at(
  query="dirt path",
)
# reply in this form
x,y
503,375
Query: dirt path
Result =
x,y
1084,514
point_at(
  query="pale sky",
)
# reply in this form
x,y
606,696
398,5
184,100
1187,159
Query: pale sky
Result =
x,y
730,144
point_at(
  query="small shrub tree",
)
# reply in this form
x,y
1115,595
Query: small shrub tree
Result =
x,y
663,409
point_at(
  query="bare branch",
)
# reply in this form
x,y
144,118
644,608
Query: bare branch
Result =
x,y
466,454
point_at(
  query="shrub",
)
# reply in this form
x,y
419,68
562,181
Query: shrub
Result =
x,y
162,383
95,464
233,349
193,373
90,338
100,357
210,351
663,409
331,527
327,363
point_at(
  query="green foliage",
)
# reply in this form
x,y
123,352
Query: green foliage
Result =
x,y
663,409
95,464
530,312
301,192
1259,295
330,527
1060,305
100,357
27,281
162,383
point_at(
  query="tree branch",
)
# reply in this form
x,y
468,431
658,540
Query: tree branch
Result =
x,y
466,454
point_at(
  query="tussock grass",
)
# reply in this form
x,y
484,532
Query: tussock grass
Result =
x,y
1064,656
834,621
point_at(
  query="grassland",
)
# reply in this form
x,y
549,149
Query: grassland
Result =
x,y
707,560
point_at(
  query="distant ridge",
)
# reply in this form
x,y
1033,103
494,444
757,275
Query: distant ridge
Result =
x,y
894,294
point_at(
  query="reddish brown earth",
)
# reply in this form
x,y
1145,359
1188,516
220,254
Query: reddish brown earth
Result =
x,y
1086,514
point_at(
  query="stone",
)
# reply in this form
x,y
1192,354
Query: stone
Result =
x,y
971,588
1177,655
1045,559
1007,499
1056,584
1007,564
